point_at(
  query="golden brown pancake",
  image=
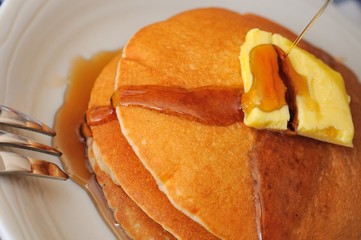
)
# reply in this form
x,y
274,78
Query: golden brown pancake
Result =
x,y
116,158
237,182
133,220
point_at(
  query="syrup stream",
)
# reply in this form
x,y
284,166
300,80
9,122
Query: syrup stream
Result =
x,y
309,25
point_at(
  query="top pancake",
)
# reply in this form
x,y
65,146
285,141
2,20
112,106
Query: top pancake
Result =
x,y
190,160
219,176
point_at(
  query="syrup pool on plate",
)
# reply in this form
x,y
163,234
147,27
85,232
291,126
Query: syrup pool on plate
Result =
x,y
68,139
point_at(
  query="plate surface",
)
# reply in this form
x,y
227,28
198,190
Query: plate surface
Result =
x,y
37,45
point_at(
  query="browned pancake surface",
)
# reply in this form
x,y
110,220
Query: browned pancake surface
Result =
x,y
310,189
237,182
133,220
119,161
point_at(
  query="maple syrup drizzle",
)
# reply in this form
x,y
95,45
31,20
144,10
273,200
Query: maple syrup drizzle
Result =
x,y
100,115
209,105
268,90
275,84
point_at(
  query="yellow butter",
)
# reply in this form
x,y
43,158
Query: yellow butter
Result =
x,y
323,111
276,119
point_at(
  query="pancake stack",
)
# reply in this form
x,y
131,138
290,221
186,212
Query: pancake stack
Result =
x,y
169,177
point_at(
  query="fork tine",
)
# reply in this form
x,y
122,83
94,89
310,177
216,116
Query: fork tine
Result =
x,y
12,140
13,163
14,118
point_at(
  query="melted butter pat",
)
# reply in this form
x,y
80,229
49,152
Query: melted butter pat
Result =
x,y
321,103
264,102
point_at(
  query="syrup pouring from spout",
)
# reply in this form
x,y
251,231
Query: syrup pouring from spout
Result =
x,y
309,25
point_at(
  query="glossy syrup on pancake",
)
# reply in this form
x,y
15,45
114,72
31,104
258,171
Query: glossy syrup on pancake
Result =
x,y
209,105
67,122
214,105
100,115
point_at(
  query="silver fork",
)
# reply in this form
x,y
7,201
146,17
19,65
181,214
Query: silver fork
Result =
x,y
15,163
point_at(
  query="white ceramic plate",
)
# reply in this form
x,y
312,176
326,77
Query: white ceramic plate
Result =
x,y
38,41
